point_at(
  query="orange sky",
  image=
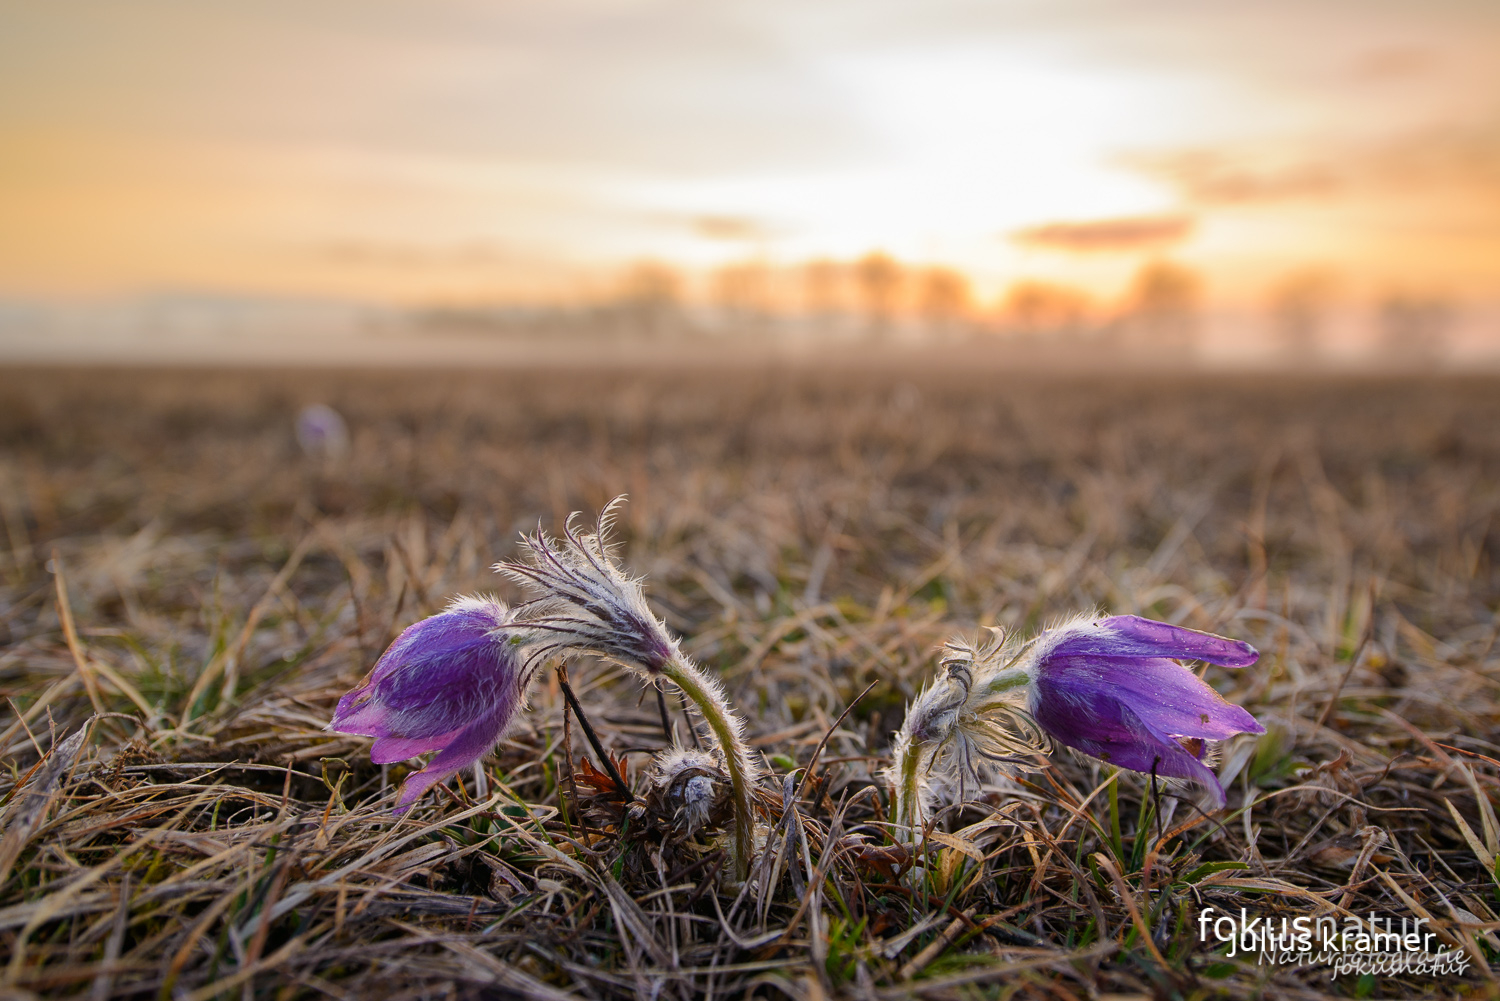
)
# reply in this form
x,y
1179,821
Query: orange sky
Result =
x,y
472,151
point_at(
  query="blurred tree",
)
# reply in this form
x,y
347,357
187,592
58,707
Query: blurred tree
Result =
x,y
745,289
823,287
944,298
1414,329
1299,304
651,283
1163,307
1035,307
879,279
650,296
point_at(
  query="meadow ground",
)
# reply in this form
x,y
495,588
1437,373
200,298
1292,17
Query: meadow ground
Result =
x,y
177,569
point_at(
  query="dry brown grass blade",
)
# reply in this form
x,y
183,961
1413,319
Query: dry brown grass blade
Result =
x,y
812,762
507,977
1127,897
937,946
24,719
227,661
104,981
1002,971
70,634
28,811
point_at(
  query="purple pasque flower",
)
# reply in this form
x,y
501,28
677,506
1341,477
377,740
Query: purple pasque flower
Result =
x,y
450,683
1113,688
322,433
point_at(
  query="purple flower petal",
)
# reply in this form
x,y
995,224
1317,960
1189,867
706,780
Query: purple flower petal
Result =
x,y
1114,733
1133,636
388,749
467,747
357,712
438,693
441,674
1167,697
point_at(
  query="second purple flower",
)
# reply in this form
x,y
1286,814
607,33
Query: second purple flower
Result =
x,y
1113,689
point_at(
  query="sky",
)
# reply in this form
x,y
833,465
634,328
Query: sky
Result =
x,y
451,151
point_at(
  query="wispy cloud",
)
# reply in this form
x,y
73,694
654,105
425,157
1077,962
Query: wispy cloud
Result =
x,y
1428,161
1223,177
1107,235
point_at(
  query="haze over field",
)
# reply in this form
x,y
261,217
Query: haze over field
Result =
x,y
1032,166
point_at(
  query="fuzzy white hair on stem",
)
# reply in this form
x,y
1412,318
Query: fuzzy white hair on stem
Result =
x,y
586,604
969,721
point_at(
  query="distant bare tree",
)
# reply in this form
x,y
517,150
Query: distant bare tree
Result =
x,y
879,279
944,298
823,287
745,290
1035,307
650,296
1298,309
1163,307
1414,329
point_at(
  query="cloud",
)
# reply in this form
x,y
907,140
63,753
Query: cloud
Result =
x,y
1221,177
659,86
397,254
1398,62
727,227
1437,160
1107,235
1427,161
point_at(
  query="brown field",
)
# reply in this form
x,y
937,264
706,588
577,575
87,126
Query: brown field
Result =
x,y
809,533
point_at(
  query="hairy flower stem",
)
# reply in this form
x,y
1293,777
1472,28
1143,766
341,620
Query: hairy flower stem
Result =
x,y
725,728
965,712
908,789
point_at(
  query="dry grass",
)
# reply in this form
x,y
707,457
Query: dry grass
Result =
x,y
175,569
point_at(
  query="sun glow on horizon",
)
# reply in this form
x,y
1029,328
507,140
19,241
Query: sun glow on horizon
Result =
x,y
451,153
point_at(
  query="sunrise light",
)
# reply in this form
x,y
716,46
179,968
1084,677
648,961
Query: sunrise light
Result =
x,y
463,154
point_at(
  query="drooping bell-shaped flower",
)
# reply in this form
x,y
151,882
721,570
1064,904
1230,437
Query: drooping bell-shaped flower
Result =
x,y
1113,688
450,683
322,433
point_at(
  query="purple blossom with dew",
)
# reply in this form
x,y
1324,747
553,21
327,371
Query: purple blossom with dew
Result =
x,y
1113,688
450,683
